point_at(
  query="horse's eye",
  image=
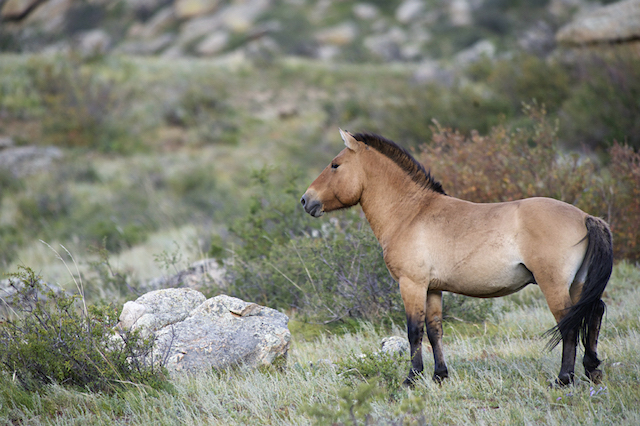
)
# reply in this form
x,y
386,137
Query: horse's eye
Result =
x,y
334,165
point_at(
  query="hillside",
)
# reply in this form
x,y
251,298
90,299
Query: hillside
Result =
x,y
377,31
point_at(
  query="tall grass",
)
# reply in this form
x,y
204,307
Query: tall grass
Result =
x,y
500,374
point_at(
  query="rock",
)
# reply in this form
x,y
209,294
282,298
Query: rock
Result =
x,y
160,22
197,28
460,13
195,335
538,39
240,17
430,71
8,291
50,16
199,275
94,42
160,308
386,46
482,49
6,142
409,10
616,22
365,11
18,9
338,35
26,160
213,43
394,345
186,9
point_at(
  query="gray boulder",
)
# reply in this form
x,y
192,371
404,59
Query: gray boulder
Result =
x,y
394,345
616,22
193,334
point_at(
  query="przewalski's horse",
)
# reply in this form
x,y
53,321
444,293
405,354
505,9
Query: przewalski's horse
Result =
x,y
433,243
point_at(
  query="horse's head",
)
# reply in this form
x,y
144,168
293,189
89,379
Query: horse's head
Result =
x,y
340,184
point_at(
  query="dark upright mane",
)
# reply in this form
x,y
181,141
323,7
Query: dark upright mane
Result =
x,y
402,158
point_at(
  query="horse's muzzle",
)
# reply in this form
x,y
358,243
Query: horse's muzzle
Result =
x,y
311,205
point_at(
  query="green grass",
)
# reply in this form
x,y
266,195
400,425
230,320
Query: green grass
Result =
x,y
499,375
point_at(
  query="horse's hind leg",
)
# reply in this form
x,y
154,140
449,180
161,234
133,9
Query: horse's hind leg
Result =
x,y
434,333
559,302
590,360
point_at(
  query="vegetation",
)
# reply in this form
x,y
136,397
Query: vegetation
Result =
x,y
166,162
499,375
49,337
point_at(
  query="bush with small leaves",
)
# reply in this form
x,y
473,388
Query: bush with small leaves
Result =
x,y
52,337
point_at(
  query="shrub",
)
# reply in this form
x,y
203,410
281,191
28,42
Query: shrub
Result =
x,y
51,337
623,196
508,164
83,104
604,102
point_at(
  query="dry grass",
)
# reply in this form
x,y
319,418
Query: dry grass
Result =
x,y
499,375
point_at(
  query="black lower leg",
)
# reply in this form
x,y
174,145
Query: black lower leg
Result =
x,y
569,343
415,332
434,334
590,360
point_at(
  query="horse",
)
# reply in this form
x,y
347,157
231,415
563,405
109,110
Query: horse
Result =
x,y
432,242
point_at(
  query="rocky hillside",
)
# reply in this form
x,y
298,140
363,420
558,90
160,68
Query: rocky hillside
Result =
x,y
368,30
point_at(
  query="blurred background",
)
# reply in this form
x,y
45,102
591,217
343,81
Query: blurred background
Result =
x,y
146,135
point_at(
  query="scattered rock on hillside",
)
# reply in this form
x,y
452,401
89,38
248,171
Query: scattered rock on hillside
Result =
x,y
195,335
202,274
26,160
8,291
394,345
6,142
616,22
481,49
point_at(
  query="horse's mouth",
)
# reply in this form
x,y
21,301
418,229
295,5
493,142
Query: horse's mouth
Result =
x,y
313,207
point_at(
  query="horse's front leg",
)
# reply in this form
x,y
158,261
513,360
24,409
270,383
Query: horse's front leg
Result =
x,y
414,297
434,333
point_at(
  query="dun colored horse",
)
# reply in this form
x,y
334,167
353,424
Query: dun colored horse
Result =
x,y
432,243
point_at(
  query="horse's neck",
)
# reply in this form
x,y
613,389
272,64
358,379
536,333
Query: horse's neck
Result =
x,y
390,203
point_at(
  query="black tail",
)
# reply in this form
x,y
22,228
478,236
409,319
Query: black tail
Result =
x,y
599,256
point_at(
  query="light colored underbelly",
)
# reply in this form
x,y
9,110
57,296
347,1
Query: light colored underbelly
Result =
x,y
495,283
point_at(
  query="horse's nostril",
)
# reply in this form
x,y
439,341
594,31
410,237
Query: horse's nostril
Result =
x,y
303,201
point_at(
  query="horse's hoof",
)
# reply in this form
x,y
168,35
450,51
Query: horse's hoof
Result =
x,y
411,379
595,376
439,378
409,382
562,381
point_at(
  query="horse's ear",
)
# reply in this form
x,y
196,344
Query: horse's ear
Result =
x,y
351,142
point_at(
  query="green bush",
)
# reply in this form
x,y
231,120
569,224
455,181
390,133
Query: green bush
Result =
x,y
51,337
604,102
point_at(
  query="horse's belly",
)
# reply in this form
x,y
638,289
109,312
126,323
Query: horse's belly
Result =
x,y
489,283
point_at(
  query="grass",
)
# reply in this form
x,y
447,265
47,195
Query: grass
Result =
x,y
499,375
